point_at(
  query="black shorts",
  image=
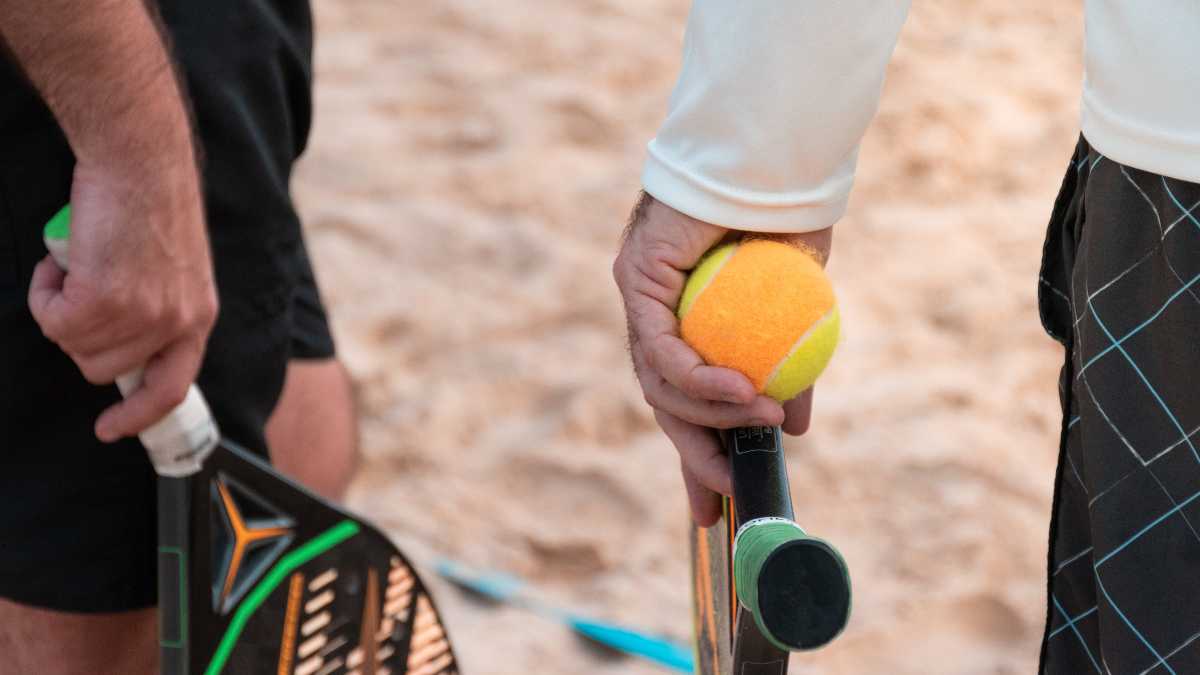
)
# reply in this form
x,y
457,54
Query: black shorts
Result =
x,y
1120,289
78,529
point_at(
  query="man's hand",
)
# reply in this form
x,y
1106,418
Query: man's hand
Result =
x,y
140,290
689,398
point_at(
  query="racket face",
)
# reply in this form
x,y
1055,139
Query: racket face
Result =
x,y
268,578
713,597
727,641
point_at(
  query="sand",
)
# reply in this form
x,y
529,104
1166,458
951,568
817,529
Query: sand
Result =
x,y
471,168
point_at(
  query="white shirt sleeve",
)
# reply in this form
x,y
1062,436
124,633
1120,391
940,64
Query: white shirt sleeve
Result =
x,y
771,104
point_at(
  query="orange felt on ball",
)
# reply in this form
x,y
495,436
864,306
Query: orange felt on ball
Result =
x,y
752,306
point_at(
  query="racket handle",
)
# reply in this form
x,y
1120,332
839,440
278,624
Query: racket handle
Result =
x,y
796,587
178,443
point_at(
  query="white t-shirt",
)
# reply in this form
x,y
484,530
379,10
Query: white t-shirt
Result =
x,y
775,95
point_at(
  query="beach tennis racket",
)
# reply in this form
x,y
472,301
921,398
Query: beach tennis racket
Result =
x,y
258,576
762,587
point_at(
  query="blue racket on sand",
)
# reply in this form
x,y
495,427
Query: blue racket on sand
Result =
x,y
510,590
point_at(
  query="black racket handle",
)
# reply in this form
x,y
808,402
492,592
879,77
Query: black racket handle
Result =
x,y
174,500
796,586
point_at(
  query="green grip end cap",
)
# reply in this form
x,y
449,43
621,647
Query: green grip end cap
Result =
x,y
59,227
797,587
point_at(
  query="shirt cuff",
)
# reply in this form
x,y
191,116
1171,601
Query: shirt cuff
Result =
x,y
739,210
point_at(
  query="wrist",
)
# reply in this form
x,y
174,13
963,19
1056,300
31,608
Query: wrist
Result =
x,y
169,183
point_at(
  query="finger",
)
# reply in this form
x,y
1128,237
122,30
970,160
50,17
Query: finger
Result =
x,y
164,385
73,326
662,395
45,298
679,364
103,332
700,452
798,413
105,366
705,504
761,412
654,328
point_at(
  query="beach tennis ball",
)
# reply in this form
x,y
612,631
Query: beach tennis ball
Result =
x,y
764,308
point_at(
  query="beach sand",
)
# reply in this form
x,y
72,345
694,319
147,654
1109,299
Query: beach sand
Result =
x,y
471,169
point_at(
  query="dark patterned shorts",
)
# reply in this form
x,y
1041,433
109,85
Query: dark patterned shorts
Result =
x,y
1120,288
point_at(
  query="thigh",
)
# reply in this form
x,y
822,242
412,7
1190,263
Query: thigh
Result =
x,y
53,643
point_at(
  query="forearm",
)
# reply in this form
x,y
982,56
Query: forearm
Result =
x,y
772,101
104,71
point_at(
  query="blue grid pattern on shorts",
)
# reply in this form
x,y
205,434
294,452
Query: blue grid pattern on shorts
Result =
x,y
1121,289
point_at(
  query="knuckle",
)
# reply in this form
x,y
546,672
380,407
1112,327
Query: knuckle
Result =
x,y
620,270
691,388
664,251
93,373
198,317
651,398
166,323
209,308
52,328
649,357
177,320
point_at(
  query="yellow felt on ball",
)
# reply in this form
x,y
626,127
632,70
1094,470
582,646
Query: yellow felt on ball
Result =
x,y
764,308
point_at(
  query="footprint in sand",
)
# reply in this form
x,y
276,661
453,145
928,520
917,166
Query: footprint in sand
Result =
x,y
574,519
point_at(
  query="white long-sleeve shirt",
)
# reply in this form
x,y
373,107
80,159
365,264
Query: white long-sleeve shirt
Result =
x,y
774,97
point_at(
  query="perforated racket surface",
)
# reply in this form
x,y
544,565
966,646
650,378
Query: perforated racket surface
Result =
x,y
258,576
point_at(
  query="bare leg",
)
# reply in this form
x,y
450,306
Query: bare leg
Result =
x,y
313,433
55,643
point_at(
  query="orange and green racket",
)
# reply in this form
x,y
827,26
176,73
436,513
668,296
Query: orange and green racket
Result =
x,y
257,575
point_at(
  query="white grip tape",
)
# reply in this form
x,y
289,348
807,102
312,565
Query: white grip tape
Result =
x,y
178,443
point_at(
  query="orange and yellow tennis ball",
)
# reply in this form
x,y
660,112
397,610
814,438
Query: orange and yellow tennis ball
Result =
x,y
764,308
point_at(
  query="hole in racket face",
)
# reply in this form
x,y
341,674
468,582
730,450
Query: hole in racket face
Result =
x,y
803,594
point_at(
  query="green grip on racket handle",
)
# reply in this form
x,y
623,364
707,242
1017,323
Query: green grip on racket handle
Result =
x,y
178,443
797,587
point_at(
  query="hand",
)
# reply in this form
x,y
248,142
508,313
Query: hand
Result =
x,y
689,398
139,291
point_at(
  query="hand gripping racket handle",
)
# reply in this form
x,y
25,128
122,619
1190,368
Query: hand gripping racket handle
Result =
x,y
796,586
178,443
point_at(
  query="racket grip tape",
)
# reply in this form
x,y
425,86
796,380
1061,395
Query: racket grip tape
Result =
x,y
795,586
